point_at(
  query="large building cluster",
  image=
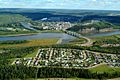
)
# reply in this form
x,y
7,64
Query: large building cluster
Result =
x,y
59,57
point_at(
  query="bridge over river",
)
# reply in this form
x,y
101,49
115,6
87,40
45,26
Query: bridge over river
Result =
x,y
75,34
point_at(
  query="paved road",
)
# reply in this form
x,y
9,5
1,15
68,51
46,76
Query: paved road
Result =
x,y
89,41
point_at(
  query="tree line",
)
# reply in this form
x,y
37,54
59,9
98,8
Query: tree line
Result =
x,y
16,52
13,42
24,72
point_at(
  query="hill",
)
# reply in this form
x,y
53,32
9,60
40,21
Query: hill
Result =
x,y
93,26
11,18
11,24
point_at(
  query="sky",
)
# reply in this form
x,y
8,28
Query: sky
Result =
x,y
62,4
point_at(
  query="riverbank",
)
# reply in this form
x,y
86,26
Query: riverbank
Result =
x,y
103,34
30,43
13,35
28,33
100,31
8,34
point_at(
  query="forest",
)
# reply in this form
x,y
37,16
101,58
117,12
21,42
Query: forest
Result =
x,y
9,71
10,24
16,52
13,42
24,72
110,41
97,25
14,18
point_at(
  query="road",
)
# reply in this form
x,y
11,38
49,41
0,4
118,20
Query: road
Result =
x,y
88,43
59,41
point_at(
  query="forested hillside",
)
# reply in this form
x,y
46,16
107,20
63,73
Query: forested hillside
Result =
x,y
11,18
11,24
92,26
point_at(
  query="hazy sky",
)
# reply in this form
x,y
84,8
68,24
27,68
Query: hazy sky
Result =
x,y
62,4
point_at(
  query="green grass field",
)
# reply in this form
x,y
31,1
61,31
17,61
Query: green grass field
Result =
x,y
11,18
12,33
50,31
104,68
61,79
104,40
118,36
78,41
31,55
105,37
2,33
30,43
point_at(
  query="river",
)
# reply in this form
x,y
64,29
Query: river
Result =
x,y
65,37
103,34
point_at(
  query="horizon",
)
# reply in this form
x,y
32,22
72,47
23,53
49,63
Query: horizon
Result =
x,y
62,9
62,4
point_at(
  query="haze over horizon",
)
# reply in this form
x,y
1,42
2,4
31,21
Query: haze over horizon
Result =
x,y
62,4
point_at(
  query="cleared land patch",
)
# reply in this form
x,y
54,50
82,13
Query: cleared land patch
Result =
x,y
37,42
104,68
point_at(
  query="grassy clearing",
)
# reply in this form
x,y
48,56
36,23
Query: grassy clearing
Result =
x,y
3,33
114,79
104,68
106,44
31,55
118,36
12,33
37,42
12,18
105,37
50,31
62,79
78,41
102,38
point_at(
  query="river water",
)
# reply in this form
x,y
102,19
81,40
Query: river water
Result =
x,y
65,37
103,34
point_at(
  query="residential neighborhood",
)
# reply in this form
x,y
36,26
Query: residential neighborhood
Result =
x,y
69,58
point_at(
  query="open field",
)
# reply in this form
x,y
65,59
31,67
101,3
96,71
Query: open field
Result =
x,y
37,42
78,41
114,79
11,18
107,41
105,37
32,54
50,31
61,79
118,36
2,33
104,68
67,79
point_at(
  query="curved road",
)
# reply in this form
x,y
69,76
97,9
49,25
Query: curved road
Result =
x,y
88,43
